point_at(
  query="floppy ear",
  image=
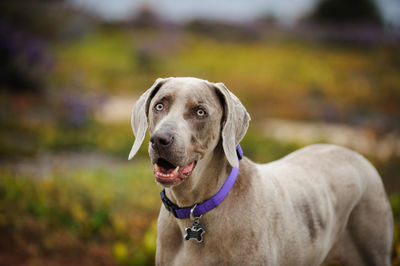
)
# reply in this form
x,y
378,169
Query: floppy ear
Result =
x,y
139,115
235,125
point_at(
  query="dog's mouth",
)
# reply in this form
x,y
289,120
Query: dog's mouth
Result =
x,y
167,174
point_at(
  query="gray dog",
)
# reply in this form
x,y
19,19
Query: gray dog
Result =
x,y
317,204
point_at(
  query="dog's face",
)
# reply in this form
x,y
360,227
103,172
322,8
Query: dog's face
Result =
x,y
184,125
186,118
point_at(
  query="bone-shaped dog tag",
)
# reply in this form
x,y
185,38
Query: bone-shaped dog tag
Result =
x,y
195,233
197,230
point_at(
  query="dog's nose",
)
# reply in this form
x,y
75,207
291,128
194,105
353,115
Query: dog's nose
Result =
x,y
161,140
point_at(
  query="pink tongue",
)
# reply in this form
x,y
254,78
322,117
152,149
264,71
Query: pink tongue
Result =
x,y
187,169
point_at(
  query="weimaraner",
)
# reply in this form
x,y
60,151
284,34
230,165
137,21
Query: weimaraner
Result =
x,y
317,204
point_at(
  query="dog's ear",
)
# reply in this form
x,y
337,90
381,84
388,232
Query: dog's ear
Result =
x,y
139,115
235,124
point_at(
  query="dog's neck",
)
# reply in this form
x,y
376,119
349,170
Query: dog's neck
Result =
x,y
207,178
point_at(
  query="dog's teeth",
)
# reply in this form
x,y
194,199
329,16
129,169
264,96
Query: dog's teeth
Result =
x,y
176,170
156,167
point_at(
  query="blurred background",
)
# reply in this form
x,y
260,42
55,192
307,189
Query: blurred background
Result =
x,y
308,71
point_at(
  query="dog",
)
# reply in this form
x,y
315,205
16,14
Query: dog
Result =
x,y
318,204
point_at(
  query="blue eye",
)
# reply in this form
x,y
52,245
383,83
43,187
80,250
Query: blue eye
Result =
x,y
200,112
159,107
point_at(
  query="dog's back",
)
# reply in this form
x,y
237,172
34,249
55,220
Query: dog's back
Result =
x,y
337,200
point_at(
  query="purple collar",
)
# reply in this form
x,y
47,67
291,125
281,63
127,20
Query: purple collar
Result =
x,y
202,208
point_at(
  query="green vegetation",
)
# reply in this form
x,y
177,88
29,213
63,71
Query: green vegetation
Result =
x,y
109,210
280,74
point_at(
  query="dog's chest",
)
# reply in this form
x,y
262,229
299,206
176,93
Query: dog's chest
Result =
x,y
222,244
216,253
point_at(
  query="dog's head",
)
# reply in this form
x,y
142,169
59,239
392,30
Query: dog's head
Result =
x,y
187,118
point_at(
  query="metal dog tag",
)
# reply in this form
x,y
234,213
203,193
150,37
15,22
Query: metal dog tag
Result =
x,y
195,232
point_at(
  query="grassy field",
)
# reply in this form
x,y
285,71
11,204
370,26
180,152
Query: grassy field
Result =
x,y
67,192
103,215
281,74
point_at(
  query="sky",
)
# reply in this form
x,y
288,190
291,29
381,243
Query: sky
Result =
x,y
286,11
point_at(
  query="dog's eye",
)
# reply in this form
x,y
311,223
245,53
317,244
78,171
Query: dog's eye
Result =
x,y
200,112
159,107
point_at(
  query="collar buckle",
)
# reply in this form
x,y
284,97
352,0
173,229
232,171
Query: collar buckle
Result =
x,y
169,205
